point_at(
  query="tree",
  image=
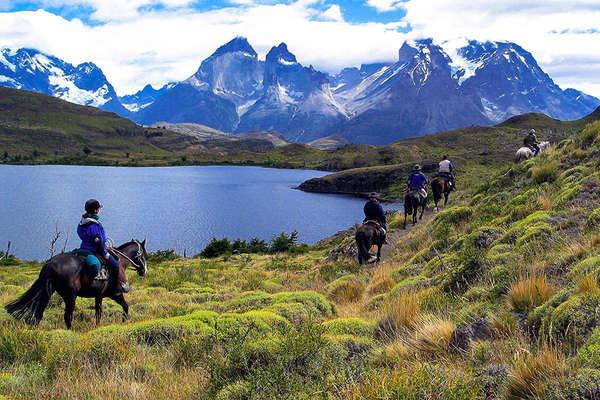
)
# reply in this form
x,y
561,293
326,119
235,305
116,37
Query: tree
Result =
x,y
283,242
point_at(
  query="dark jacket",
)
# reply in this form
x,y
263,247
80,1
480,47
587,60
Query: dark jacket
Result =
x,y
416,179
374,211
92,235
530,140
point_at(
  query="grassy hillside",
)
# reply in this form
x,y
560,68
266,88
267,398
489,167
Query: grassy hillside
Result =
x,y
39,129
516,263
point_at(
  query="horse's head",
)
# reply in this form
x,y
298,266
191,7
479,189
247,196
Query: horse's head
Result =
x,y
135,253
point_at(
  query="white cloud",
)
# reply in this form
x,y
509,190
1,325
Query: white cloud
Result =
x,y
531,24
135,47
385,5
333,13
158,47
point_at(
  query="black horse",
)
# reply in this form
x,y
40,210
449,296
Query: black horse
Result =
x,y
440,185
412,201
67,275
366,236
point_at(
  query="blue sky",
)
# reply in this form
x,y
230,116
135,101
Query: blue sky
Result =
x,y
155,41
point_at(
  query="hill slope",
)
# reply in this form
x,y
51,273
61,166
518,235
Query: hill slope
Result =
x,y
495,297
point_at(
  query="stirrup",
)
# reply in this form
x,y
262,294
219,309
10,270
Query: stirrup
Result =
x,y
101,276
124,287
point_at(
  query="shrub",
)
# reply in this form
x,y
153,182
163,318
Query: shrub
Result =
x,y
588,284
529,293
589,353
349,326
458,279
406,271
452,216
217,248
593,220
575,318
546,172
433,334
585,267
532,372
346,289
585,384
162,255
589,135
399,313
381,285
283,242
505,325
411,284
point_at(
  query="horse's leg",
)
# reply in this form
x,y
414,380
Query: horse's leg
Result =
x,y
98,310
121,301
69,308
422,210
378,252
405,218
446,198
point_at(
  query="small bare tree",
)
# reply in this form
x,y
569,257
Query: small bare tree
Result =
x,y
57,235
5,255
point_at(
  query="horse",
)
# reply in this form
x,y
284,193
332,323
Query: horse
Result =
x,y
67,274
525,152
440,185
412,201
367,235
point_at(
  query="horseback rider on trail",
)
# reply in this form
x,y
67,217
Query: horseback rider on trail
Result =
x,y
532,142
374,212
93,238
446,170
417,181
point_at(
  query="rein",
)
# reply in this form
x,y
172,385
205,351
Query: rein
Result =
x,y
135,266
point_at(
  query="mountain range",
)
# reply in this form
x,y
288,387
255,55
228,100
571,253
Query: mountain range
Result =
x,y
428,89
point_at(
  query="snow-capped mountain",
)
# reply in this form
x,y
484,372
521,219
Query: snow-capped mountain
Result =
x,y
234,91
296,100
84,84
427,91
510,82
412,97
225,85
145,97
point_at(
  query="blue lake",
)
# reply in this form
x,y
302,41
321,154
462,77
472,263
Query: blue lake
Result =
x,y
179,208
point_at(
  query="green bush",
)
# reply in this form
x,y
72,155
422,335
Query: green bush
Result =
x,y
217,248
589,353
547,172
162,255
589,135
590,265
593,220
349,326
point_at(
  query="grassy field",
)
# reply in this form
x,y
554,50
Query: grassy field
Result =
x,y
518,254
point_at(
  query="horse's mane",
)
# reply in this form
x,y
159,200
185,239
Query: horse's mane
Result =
x,y
121,247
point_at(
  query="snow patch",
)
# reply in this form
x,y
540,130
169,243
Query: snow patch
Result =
x,y
65,88
285,62
4,61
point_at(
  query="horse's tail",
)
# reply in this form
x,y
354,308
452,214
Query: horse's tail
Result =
x,y
31,305
362,246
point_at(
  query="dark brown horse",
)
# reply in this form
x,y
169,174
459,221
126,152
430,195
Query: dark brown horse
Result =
x,y
412,201
67,274
440,186
366,236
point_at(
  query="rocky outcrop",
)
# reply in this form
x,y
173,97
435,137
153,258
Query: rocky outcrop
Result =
x,y
361,181
462,337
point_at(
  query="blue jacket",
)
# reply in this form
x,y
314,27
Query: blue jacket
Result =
x,y
374,211
92,235
416,179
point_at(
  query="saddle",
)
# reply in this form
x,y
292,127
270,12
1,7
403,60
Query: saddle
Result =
x,y
372,222
91,259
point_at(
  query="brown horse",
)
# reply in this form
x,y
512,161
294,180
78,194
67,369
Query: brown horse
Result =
x,y
366,236
67,274
412,201
440,185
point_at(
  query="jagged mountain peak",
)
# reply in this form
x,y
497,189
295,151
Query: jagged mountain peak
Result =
x,y
237,44
281,54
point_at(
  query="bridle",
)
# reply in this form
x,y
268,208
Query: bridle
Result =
x,y
138,256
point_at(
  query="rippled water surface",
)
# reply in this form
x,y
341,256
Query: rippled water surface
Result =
x,y
181,208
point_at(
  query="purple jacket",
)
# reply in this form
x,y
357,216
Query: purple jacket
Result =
x,y
416,179
92,235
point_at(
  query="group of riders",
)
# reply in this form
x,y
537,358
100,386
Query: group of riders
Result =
x,y
417,181
93,237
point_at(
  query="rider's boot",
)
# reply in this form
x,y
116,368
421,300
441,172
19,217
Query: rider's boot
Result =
x,y
124,287
101,276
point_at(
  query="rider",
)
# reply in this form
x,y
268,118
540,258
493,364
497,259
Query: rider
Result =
x,y
532,142
374,211
417,181
93,238
446,170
